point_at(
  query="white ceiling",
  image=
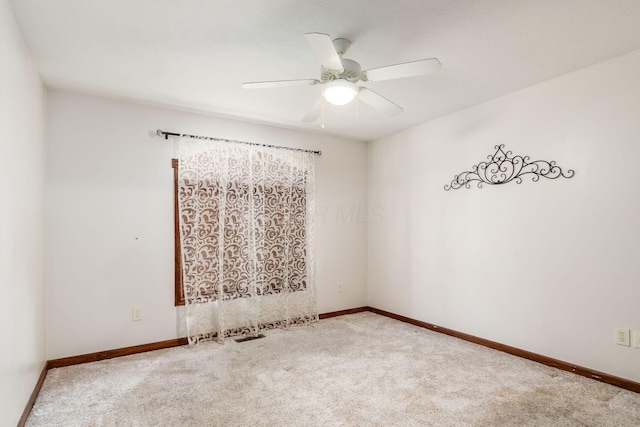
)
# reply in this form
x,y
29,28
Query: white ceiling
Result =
x,y
195,54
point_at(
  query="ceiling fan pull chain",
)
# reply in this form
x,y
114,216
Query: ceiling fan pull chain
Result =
x,y
322,104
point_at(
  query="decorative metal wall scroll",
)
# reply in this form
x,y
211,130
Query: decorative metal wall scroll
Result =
x,y
503,167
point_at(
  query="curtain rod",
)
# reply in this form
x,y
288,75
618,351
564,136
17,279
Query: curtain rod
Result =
x,y
160,132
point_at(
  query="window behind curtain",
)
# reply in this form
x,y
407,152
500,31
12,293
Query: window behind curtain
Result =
x,y
272,271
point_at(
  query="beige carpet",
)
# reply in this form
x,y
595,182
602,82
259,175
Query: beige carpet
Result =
x,y
356,370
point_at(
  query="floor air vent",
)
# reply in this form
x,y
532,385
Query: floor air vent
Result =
x,y
243,339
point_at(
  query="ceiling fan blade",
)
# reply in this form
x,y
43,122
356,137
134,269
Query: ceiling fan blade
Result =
x,y
322,46
279,83
378,102
313,114
408,69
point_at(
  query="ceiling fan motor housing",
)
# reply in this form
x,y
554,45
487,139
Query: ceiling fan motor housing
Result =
x,y
352,72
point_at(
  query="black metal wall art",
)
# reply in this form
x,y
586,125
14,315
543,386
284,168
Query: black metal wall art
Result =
x,y
503,167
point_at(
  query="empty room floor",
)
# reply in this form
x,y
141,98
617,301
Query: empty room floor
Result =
x,y
356,370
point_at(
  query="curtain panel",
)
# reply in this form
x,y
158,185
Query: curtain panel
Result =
x,y
246,232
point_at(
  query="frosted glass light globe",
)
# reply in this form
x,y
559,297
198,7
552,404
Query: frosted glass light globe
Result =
x,y
340,92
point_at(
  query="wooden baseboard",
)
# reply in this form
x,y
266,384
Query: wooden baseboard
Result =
x,y
559,364
109,354
34,396
343,312
126,351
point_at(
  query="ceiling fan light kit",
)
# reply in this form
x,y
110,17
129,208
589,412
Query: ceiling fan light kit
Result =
x,y
340,92
339,76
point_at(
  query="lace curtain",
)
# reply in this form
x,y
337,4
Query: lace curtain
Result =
x,y
246,231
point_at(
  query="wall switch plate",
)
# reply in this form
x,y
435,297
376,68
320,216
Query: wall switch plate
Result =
x,y
136,314
339,288
623,337
636,339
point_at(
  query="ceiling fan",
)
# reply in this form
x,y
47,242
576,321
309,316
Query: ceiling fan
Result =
x,y
339,76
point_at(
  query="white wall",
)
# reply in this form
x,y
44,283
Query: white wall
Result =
x,y
110,219
551,266
22,353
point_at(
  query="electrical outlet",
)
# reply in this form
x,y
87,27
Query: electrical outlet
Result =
x,y
339,288
136,314
636,339
622,337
